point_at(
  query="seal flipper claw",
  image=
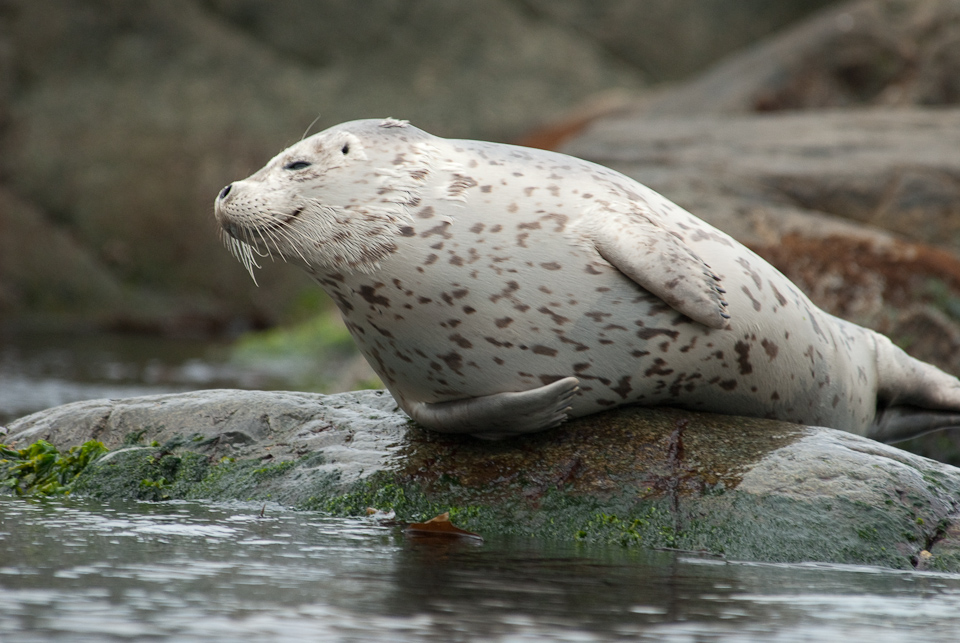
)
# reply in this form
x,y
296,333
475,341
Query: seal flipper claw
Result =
x,y
500,415
659,261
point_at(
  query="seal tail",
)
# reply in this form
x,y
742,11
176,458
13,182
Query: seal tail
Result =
x,y
913,397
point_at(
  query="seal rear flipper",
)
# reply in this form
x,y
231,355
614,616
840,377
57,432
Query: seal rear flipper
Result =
x,y
660,262
899,423
913,397
501,415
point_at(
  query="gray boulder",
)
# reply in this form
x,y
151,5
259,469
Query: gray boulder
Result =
x,y
732,487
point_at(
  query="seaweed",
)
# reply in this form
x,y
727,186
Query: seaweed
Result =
x,y
42,470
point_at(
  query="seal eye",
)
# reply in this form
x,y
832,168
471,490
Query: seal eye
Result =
x,y
297,165
345,149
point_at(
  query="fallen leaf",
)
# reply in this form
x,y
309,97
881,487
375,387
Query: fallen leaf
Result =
x,y
439,526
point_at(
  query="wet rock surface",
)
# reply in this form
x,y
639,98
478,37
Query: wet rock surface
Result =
x,y
742,488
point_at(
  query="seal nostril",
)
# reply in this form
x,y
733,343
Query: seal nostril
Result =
x,y
225,191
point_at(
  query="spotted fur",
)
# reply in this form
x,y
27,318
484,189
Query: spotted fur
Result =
x,y
497,290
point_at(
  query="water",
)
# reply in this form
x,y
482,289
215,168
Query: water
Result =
x,y
75,570
78,570
38,371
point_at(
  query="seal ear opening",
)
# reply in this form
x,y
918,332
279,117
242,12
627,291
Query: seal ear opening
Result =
x,y
346,143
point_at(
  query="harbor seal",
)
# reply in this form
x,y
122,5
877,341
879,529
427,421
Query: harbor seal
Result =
x,y
498,290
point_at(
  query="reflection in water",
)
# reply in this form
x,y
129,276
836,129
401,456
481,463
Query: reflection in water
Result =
x,y
76,570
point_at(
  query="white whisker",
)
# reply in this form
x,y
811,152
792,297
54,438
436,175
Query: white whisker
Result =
x,y
310,126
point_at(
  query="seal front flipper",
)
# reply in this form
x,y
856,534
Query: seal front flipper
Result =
x,y
499,415
660,262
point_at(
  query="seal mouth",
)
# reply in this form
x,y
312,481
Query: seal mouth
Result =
x,y
233,230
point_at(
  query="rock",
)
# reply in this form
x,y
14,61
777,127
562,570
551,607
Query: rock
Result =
x,y
858,165
48,276
866,52
741,488
671,40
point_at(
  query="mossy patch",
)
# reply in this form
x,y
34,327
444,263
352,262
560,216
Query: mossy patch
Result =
x,y
144,473
155,473
732,524
40,469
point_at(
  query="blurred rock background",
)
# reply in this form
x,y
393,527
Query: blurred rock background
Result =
x,y
824,134
121,119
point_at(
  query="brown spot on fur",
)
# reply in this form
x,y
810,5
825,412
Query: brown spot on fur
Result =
x,y
771,348
544,350
453,360
440,229
559,320
511,287
460,340
382,331
370,295
650,333
743,357
623,387
756,304
503,322
658,368
552,265
579,347
559,219
550,379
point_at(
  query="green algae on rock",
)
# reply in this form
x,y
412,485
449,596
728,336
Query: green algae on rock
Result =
x,y
40,469
745,489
